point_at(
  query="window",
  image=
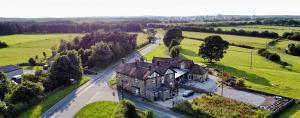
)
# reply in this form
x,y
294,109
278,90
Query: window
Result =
x,y
153,81
163,80
136,80
170,76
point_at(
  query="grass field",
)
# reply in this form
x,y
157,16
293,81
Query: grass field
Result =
x,y
278,29
23,46
251,41
265,76
141,39
102,109
50,100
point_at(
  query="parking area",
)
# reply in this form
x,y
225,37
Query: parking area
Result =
x,y
178,99
209,85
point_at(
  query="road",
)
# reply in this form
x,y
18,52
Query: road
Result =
x,y
97,89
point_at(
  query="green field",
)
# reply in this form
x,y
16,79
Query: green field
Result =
x,y
102,109
265,76
51,99
278,29
23,46
141,39
251,41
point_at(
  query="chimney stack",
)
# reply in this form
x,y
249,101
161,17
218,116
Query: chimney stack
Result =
x,y
123,61
150,67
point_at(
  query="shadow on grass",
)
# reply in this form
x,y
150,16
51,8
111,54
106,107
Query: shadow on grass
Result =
x,y
188,52
242,74
289,112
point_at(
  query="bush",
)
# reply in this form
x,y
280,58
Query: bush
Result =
x,y
126,109
274,57
240,82
3,45
26,92
32,62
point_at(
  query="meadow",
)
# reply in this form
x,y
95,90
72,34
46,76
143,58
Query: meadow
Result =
x,y
278,29
23,46
265,75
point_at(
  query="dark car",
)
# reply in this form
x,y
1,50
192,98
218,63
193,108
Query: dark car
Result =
x,y
188,93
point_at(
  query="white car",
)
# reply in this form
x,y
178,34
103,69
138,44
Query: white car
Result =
x,y
188,93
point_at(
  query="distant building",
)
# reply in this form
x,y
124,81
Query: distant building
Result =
x,y
160,79
11,70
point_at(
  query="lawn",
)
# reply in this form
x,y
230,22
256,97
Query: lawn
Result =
x,y
111,109
278,29
50,100
251,41
141,39
219,107
23,46
102,109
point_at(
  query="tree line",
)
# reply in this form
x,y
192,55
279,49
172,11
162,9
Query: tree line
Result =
x,y
7,28
17,98
100,48
293,49
272,57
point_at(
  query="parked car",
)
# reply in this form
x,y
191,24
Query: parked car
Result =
x,y
188,93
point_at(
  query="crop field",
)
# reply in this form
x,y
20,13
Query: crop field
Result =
x,y
265,75
278,29
23,46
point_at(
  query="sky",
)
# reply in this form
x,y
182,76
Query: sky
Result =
x,y
86,8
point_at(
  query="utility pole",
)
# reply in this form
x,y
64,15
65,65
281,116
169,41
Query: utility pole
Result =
x,y
122,90
222,86
251,60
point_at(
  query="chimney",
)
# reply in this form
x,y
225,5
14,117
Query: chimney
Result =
x,y
137,62
150,67
142,59
123,61
158,63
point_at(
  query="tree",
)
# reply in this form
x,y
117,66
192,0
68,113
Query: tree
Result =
x,y
171,35
5,85
26,92
101,54
240,82
32,62
213,48
126,109
45,55
175,51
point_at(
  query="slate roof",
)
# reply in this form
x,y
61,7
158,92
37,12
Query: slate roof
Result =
x,y
197,69
171,62
9,68
141,70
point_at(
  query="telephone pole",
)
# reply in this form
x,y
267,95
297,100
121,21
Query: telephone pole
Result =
x,y
222,81
251,60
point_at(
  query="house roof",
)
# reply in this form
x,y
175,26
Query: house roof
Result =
x,y
171,62
197,69
141,70
9,68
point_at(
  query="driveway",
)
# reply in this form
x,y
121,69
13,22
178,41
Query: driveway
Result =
x,y
250,98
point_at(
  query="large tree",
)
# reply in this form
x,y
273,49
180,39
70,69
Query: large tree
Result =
x,y
65,68
27,92
102,54
173,35
213,48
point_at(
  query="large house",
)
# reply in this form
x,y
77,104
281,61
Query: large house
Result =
x,y
160,79
11,70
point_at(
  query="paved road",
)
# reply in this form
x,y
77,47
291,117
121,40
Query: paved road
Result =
x,y
97,89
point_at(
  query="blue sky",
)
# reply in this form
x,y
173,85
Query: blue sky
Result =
x,y
82,8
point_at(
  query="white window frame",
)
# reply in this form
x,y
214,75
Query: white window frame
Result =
x,y
153,80
136,80
162,80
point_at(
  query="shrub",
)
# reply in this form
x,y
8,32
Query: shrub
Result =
x,y
240,82
3,45
126,109
274,57
32,62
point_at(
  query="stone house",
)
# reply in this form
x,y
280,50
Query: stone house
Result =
x,y
157,80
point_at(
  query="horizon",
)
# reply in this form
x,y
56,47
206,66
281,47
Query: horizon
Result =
x,y
135,8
